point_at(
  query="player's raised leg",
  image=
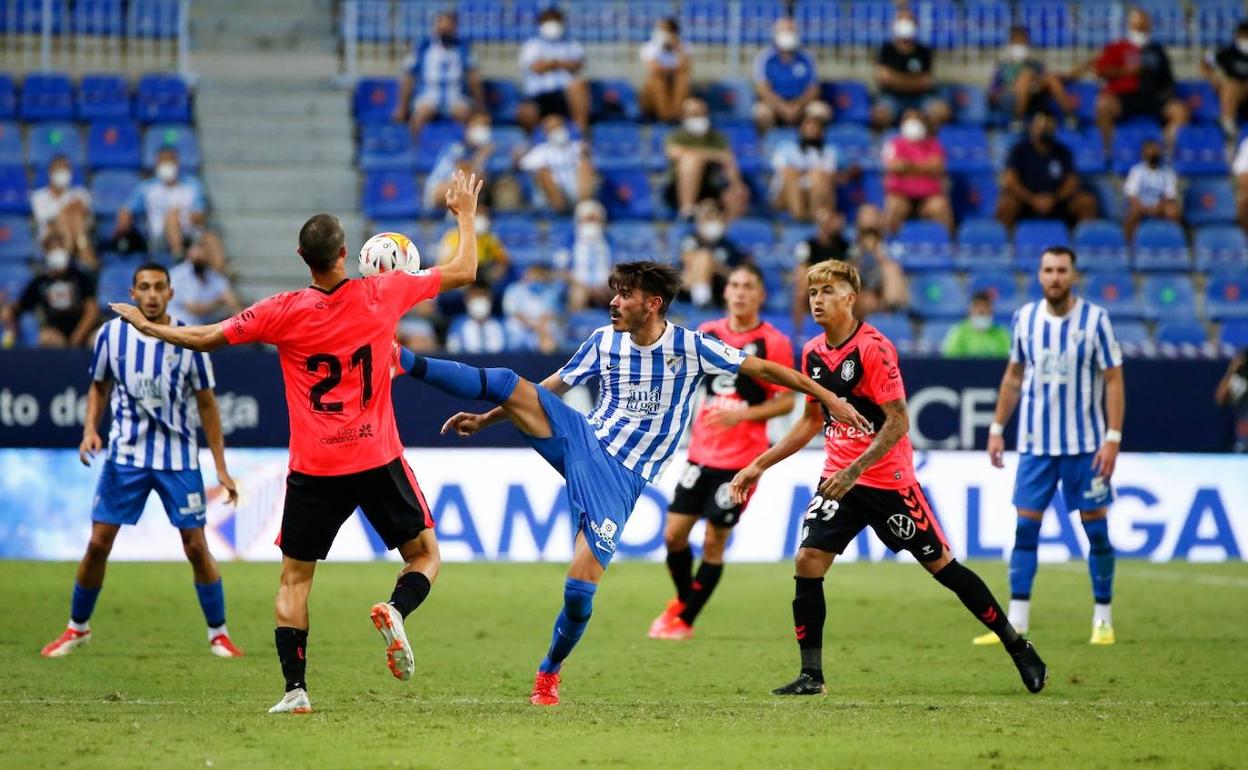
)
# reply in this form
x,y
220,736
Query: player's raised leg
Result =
x,y
422,561
578,604
210,591
87,585
1101,571
291,634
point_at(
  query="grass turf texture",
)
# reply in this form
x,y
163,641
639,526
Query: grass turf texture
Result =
x,y
906,687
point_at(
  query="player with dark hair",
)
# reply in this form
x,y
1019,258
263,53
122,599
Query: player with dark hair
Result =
x,y
868,479
649,369
335,342
729,431
159,396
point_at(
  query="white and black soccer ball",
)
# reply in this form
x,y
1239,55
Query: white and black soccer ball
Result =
x,y
388,251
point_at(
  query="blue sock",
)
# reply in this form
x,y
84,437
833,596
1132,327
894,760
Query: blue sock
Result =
x,y
1100,560
578,604
493,384
212,602
1023,558
83,603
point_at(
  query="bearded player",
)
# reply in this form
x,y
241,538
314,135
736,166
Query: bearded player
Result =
x,y
729,431
868,479
335,341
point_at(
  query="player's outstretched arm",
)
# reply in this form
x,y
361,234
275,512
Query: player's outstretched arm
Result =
x,y
461,199
201,338
840,409
779,404
1007,400
210,419
794,441
896,424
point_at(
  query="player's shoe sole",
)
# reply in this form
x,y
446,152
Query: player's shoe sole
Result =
x,y
295,702
545,690
805,684
677,630
399,656
1031,668
670,612
222,647
67,642
1102,634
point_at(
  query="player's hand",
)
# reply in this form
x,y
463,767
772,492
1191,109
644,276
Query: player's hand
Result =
x,y
724,419
464,423
129,313
745,481
461,198
836,485
996,451
90,446
1105,459
227,482
844,412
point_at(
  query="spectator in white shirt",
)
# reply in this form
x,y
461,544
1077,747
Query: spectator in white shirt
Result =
x,y
175,209
551,65
585,264
471,155
804,177
201,295
1151,189
667,73
440,78
65,208
479,331
560,166
532,306
1239,169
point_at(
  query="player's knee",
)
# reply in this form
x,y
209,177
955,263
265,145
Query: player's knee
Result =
x,y
1097,531
1027,534
675,541
499,383
195,548
808,564
578,599
714,544
99,547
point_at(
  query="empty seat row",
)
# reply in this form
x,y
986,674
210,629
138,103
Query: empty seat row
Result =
x,y
110,143
157,98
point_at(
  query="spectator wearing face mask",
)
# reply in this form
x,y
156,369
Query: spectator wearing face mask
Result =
x,y
1020,83
201,295
62,297
914,175
532,307
585,263
1040,180
560,166
707,257
417,331
978,335
1151,190
786,79
551,65
804,172
702,165
478,331
471,155
1228,71
492,258
65,208
173,204
903,75
667,73
883,281
442,75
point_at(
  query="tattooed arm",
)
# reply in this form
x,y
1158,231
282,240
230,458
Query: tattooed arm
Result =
x,y
896,424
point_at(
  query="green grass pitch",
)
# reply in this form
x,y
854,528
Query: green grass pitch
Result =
x,y
906,687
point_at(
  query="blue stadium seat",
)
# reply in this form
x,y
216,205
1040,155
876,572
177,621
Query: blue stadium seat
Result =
x,y
109,191
1006,298
933,331
12,152
974,196
921,245
1125,149
1084,93
1226,297
987,23
853,146
1208,202
114,144
1214,18
752,235
850,100
1032,237
757,19
1161,246
1049,24
1116,293
47,140
115,279
1169,21
17,240
642,16
745,145
522,257
1169,298
634,240
1200,98
517,230
870,23
47,96
983,243
506,140
1101,246
376,99
154,19
180,137
733,98
615,145
502,99
1200,150
1086,147
1182,333
966,149
821,24
1109,200
14,193
433,138
13,279
895,326
162,99
103,97
626,194
941,24
8,97
1220,248
938,295
614,99
583,323
102,18
386,146
1132,333
390,195
26,16
1234,334
866,189
969,103
704,21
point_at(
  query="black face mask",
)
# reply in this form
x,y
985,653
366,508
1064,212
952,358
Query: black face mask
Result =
x,y
1153,160
199,269
448,39
811,144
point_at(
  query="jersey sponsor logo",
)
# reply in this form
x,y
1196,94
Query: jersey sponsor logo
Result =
x,y
643,401
847,370
1098,489
349,434
724,384
1054,367
901,525
194,504
605,534
837,430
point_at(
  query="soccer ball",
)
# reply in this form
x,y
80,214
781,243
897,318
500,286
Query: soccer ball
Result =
x,y
388,251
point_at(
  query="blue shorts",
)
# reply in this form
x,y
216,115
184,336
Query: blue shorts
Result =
x,y
601,491
123,489
1038,476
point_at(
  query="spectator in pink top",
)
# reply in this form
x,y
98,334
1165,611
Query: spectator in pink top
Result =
x,y
914,175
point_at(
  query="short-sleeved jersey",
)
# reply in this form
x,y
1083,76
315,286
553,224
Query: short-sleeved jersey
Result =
x,y
864,371
155,412
645,394
335,349
1062,410
736,447
789,75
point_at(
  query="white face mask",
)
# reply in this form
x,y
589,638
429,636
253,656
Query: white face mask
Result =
x,y
478,135
981,323
711,230
662,37
913,129
589,231
167,171
479,308
786,40
559,136
1242,45
481,225
56,259
1017,52
60,178
697,125
905,29
551,30
1137,38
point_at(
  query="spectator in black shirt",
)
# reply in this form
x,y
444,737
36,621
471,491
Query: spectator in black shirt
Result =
x,y
1040,180
903,74
883,281
707,256
1228,70
62,296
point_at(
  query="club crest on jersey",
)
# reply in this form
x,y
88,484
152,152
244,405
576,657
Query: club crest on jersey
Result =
x,y
901,525
1077,336
674,363
847,370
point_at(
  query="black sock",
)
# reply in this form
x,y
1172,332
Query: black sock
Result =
x,y
980,601
700,590
410,590
809,611
680,567
292,644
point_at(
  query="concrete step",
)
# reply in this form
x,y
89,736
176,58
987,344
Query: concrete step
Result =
x,y
302,104
283,189
230,150
246,128
308,66
272,236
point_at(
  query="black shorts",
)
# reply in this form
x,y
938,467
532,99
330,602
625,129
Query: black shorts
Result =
x,y
552,103
901,519
316,506
714,184
703,492
1142,105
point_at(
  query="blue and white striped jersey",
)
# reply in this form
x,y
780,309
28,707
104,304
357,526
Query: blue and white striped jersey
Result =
x,y
1062,411
646,394
537,49
155,414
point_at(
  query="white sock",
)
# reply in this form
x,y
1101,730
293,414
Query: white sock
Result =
x,y
1101,613
215,631
1020,614
700,293
81,628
